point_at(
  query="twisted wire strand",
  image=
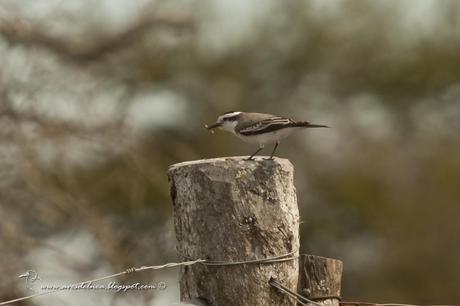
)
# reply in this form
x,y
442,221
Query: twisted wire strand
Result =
x,y
274,259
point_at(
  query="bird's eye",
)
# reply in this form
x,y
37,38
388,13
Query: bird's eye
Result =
x,y
229,118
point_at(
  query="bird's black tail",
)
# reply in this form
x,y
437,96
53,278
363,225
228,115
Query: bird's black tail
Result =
x,y
309,125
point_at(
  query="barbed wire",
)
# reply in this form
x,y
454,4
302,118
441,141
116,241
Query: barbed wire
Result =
x,y
274,259
300,299
127,271
391,304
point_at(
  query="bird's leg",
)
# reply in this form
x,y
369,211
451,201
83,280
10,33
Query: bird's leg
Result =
x,y
258,150
274,149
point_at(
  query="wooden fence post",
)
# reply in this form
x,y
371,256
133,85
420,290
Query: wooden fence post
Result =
x,y
320,279
230,209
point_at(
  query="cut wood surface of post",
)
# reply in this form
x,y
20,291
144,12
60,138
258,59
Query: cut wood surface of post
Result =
x,y
231,209
320,279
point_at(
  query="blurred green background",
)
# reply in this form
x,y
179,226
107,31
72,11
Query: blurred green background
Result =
x,y
98,98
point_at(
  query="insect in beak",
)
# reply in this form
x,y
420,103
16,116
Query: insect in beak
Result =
x,y
213,126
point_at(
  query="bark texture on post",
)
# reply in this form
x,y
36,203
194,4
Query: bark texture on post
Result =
x,y
230,209
320,279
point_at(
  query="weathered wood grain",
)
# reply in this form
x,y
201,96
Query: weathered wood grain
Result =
x,y
230,209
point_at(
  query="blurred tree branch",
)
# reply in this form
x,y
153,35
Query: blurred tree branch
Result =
x,y
54,124
391,94
28,34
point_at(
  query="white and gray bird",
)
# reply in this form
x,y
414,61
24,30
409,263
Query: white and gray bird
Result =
x,y
258,128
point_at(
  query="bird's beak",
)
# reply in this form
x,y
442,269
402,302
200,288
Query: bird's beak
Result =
x,y
317,126
213,126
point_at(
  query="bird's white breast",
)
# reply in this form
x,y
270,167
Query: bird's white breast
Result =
x,y
229,126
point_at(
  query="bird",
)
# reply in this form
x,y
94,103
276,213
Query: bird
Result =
x,y
259,128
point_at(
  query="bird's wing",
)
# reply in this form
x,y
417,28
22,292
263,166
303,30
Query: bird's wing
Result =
x,y
245,123
266,125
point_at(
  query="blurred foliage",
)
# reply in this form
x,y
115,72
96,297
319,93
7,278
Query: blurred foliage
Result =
x,y
379,190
